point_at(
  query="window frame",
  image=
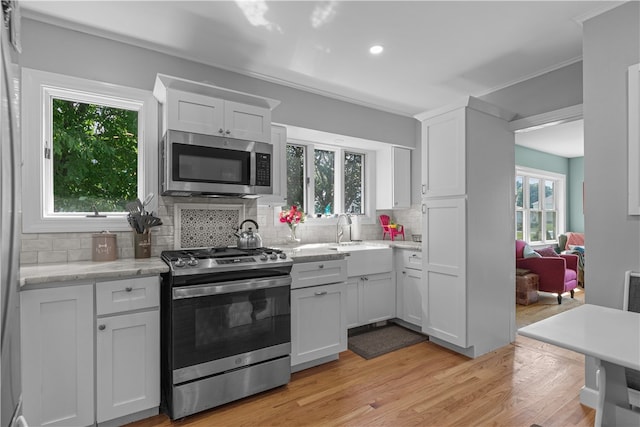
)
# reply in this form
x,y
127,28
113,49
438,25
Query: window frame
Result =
x,y
560,203
368,217
38,88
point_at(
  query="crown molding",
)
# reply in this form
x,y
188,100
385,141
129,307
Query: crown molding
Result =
x,y
563,115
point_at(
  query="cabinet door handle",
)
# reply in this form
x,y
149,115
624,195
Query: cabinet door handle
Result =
x,y
102,327
404,272
424,189
128,289
320,293
321,266
424,209
228,132
220,130
366,278
414,256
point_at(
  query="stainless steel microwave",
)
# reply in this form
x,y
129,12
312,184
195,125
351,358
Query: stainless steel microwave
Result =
x,y
202,165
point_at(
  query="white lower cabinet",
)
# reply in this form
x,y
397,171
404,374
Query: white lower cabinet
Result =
x,y
127,364
411,283
57,356
68,379
445,271
410,288
320,327
371,298
318,312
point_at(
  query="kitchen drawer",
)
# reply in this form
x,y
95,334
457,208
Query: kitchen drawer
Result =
x,y
412,259
128,294
318,273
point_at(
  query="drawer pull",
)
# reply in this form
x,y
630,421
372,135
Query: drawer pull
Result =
x,y
319,294
102,327
321,266
128,289
414,256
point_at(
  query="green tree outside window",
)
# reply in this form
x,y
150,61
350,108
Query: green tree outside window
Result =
x,y
95,155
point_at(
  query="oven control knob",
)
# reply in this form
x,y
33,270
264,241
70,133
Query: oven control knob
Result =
x,y
192,262
273,256
179,263
264,257
283,255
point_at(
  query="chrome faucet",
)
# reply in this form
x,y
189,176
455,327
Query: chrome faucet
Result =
x,y
339,231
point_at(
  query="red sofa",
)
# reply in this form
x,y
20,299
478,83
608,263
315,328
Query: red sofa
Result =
x,y
557,274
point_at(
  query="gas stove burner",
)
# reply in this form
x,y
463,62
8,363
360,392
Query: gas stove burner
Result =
x,y
201,260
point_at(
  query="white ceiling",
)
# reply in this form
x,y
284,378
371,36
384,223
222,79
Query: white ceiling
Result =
x,y
435,52
565,139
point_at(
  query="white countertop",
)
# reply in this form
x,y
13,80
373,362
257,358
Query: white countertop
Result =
x,y
39,274
604,333
88,270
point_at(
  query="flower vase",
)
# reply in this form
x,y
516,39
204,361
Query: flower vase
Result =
x,y
294,228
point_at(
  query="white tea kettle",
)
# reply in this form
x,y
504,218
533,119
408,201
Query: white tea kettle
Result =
x,y
248,239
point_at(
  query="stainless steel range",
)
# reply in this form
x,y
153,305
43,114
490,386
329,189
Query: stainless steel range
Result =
x,y
226,326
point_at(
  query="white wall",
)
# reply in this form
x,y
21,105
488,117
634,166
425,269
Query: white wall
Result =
x,y
51,48
611,44
548,92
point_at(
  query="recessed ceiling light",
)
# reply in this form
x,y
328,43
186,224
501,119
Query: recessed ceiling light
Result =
x,y
376,50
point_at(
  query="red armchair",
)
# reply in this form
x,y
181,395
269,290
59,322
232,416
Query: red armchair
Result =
x,y
398,230
556,274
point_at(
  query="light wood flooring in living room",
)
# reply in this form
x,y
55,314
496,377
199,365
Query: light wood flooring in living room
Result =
x,y
524,383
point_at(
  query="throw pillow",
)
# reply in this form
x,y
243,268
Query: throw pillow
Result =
x,y
527,252
548,251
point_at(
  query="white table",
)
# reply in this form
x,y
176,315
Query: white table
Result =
x,y
612,337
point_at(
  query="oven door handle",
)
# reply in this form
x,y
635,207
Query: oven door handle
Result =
x,y
230,287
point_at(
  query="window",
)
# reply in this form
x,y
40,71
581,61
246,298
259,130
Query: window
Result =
x,y
354,182
93,157
540,202
87,146
326,180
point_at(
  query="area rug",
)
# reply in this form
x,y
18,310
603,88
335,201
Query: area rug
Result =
x,y
385,339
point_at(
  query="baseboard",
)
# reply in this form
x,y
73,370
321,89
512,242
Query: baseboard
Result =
x,y
589,397
410,326
469,351
130,418
312,363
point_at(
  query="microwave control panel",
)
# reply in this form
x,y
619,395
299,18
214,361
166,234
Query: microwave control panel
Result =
x,y
263,169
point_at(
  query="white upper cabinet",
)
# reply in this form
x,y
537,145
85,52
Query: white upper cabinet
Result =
x,y
443,155
191,112
393,183
245,121
202,108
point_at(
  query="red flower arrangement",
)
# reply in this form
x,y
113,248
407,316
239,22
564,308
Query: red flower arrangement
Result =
x,y
293,216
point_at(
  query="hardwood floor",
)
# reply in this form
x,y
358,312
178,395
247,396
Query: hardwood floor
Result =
x,y
525,383
546,306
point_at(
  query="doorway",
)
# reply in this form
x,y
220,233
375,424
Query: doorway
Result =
x,y
550,144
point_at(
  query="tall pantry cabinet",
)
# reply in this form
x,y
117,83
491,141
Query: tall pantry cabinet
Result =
x,y
468,168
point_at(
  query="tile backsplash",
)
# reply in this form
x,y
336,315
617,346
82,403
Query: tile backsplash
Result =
x,y
202,225
202,222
